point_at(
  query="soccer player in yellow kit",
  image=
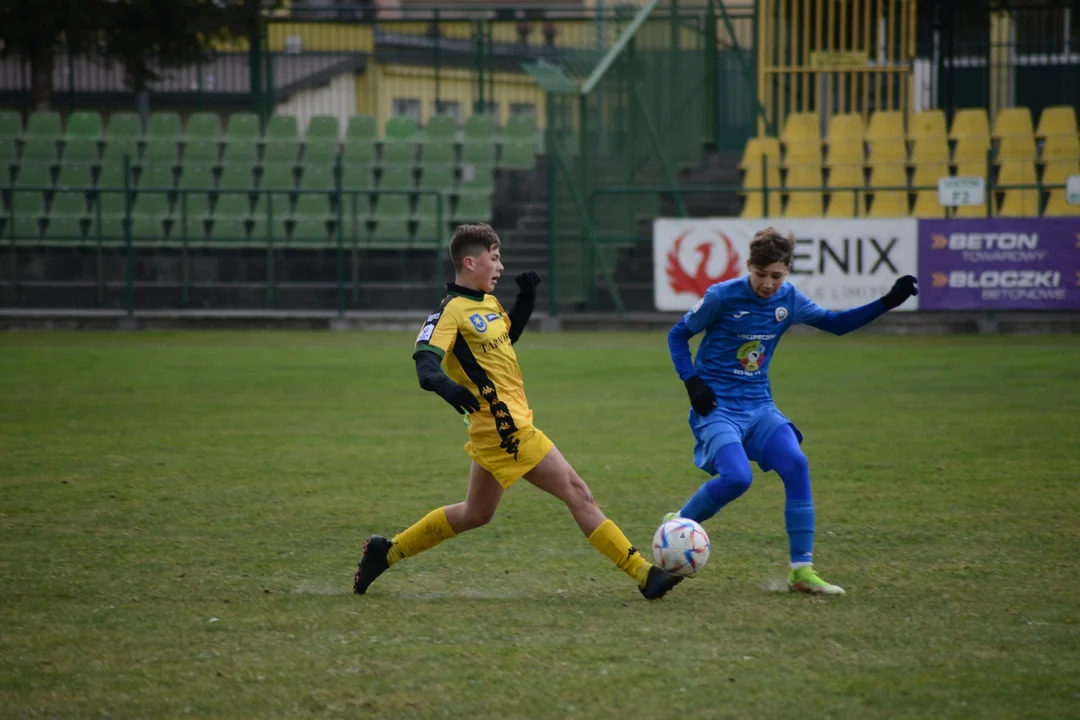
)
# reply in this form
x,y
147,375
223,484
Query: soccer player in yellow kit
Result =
x,y
472,337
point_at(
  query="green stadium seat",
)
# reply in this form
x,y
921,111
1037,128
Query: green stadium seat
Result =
x,y
518,155
480,128
107,228
438,177
397,178
164,126
390,231
81,150
11,127
472,208
269,217
158,177
323,152
520,128
242,126
69,204
24,211
160,152
279,179
357,176
426,216
282,127
426,231
399,153
323,127
361,152
480,154
440,129
111,177
318,177
400,129
116,149
9,155
236,177
123,126
438,154
362,127
34,174
198,180
65,230
206,152
310,218
44,124
205,126
240,151
476,180
281,152
229,230
148,217
84,124
391,206
39,150
76,175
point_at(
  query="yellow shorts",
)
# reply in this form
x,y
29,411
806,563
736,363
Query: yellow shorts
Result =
x,y
533,445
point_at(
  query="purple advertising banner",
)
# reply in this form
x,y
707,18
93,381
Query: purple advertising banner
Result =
x,y
999,264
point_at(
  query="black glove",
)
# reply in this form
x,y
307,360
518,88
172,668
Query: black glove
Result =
x,y
459,397
702,397
528,281
902,289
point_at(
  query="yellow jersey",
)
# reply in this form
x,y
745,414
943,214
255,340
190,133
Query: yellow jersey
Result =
x,y
471,333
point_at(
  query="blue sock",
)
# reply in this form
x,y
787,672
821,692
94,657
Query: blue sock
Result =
x,y
782,453
734,477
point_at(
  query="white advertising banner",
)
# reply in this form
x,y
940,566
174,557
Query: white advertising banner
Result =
x,y
839,264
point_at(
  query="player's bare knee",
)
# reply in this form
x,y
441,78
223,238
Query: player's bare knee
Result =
x,y
578,493
478,516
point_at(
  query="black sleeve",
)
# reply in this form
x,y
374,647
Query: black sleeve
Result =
x,y
429,371
519,317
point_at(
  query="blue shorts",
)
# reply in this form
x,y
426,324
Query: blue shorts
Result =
x,y
753,427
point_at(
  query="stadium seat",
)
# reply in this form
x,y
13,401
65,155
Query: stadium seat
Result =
x,y
311,217
282,128
479,128
755,148
399,153
802,152
124,126
323,127
801,127
440,129
240,152
970,122
843,204
751,165
971,148
886,125
164,126
518,155
359,151
1016,147
845,127
1018,202
64,230
1056,173
242,127
1061,147
203,152
318,177
194,204
890,151
44,124
1013,121
81,150
362,127
148,217
927,124
160,151
845,151
116,149
270,218
397,178
230,220
972,169
400,129
475,207
203,126
84,124
927,203
236,177
1057,120
281,152
520,128
805,203
158,176
438,153
39,150
319,151
479,154
76,175
477,179
11,127
280,181
438,177
354,177
931,149
888,183
111,177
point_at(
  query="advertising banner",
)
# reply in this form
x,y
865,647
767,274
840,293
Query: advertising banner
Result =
x,y
839,264
999,264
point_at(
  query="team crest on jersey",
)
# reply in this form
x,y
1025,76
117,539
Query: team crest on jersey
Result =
x,y
751,356
781,314
478,322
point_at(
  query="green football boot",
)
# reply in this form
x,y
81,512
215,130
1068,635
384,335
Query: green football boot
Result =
x,y
805,580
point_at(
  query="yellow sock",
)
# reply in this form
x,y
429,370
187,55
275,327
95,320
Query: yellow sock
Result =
x,y
424,535
609,539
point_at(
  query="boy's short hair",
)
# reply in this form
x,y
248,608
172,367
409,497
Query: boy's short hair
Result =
x,y
470,241
769,246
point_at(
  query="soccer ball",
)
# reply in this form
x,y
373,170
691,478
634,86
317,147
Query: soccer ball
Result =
x,y
681,546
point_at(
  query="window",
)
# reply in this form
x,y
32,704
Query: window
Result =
x,y
449,108
523,110
489,108
407,107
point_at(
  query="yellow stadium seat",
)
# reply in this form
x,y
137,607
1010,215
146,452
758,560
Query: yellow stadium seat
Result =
x,y
888,124
888,151
801,126
971,122
1057,120
1057,205
1016,147
843,204
845,126
971,148
1056,173
972,169
807,203
756,147
927,124
1018,202
1013,121
891,202
930,150
846,152
805,152
926,200
1061,147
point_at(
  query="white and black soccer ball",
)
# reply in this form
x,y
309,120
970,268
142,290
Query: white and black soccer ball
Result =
x,y
681,546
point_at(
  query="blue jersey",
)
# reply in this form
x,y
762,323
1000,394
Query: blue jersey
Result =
x,y
742,331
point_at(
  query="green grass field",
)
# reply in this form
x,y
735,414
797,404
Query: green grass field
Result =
x,y
181,514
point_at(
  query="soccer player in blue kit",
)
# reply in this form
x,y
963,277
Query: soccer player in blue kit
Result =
x,y
733,417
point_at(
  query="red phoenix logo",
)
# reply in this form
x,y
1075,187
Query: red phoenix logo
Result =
x,y
696,284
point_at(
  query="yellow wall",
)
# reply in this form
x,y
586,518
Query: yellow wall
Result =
x,y
322,37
